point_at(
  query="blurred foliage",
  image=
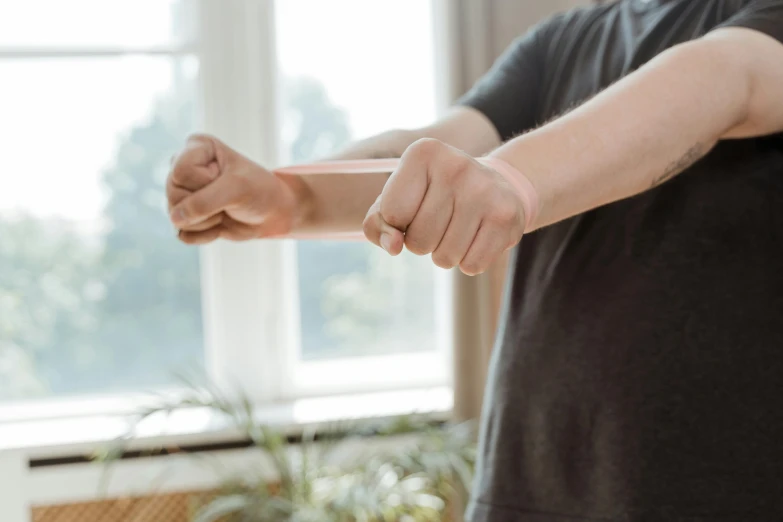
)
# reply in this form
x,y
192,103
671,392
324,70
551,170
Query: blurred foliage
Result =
x,y
354,299
48,291
151,314
111,309
320,128
412,470
388,307
119,307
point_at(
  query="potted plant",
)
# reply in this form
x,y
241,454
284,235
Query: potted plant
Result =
x,y
403,469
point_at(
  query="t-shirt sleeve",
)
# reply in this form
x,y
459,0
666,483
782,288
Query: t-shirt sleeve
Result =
x,y
509,93
765,16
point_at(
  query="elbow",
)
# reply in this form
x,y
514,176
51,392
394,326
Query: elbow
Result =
x,y
728,77
719,74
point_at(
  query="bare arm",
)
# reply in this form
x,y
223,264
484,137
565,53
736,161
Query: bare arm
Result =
x,y
215,192
635,135
339,203
655,123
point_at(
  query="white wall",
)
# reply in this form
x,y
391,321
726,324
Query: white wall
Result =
x,y
13,487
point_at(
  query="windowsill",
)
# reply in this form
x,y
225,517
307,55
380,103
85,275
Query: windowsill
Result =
x,y
61,436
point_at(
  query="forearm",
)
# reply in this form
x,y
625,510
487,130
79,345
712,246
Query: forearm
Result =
x,y
337,203
635,135
330,204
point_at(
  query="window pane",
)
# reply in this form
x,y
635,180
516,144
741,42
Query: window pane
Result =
x,y
91,22
350,77
96,294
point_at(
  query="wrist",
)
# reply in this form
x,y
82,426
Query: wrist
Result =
x,y
297,200
524,188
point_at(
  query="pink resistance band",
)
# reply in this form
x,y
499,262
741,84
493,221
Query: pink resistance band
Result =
x,y
519,181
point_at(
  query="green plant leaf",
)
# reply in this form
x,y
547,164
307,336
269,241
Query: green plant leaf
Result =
x,y
330,476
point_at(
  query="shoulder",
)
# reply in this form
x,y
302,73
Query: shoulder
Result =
x,y
567,27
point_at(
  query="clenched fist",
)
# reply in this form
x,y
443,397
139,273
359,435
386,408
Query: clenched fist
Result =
x,y
215,192
444,202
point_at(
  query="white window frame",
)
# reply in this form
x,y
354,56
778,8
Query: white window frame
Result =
x,y
104,405
251,340
263,356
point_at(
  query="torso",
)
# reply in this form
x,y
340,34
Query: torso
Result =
x,y
638,373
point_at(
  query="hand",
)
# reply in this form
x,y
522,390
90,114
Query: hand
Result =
x,y
215,192
442,201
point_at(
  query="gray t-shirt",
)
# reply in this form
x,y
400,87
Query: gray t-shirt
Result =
x,y
638,372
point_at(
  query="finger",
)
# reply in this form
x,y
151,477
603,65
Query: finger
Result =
x,y
404,192
234,230
380,233
199,238
426,231
197,164
489,244
175,194
200,150
458,237
211,200
193,177
213,221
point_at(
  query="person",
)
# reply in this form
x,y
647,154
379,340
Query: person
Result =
x,y
637,374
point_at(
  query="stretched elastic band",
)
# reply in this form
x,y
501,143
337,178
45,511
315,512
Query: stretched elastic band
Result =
x,y
371,166
521,184
518,180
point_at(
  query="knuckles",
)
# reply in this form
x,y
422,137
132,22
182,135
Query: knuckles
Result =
x,y
200,137
369,226
443,260
199,141
444,163
181,170
470,268
425,148
391,214
416,244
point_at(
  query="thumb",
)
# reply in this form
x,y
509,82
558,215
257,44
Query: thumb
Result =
x,y
381,233
404,192
205,203
391,239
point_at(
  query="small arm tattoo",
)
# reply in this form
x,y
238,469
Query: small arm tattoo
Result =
x,y
690,157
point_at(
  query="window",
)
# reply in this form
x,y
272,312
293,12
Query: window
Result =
x,y
97,298
360,79
354,300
